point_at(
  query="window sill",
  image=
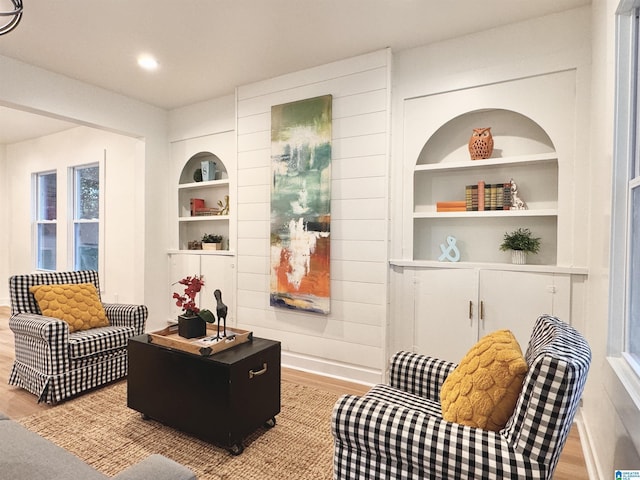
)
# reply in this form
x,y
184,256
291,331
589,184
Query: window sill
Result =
x,y
625,395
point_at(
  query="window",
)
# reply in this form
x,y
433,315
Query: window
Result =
x,y
46,215
86,217
624,311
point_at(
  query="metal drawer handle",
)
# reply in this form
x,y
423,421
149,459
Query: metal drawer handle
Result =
x,y
254,373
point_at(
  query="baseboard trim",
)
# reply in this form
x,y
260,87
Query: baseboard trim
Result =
x,y
350,373
587,447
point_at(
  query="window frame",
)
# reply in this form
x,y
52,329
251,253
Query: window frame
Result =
x,y
625,177
73,209
38,220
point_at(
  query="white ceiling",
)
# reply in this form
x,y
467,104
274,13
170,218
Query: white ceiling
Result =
x,y
208,47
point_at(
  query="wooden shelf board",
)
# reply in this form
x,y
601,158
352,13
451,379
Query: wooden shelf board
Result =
x,y
548,212
489,162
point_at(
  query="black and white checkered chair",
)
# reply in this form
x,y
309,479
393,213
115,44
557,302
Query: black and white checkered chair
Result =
x,y
54,364
397,431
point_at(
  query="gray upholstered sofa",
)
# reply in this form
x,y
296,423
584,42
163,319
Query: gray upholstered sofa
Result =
x,y
27,455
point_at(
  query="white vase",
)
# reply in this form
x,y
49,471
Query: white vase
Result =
x,y
518,257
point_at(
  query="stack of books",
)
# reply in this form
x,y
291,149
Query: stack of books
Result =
x,y
198,208
488,196
455,206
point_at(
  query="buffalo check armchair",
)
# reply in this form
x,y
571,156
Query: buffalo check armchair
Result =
x,y
398,431
54,363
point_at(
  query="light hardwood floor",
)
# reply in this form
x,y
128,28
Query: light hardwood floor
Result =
x,y
17,403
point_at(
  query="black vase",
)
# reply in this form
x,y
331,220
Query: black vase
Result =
x,y
191,327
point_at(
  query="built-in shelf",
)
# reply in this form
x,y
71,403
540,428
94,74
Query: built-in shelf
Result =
x,y
488,213
489,162
208,184
223,253
205,218
443,170
214,193
489,266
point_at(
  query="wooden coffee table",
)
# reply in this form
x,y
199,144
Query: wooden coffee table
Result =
x,y
221,398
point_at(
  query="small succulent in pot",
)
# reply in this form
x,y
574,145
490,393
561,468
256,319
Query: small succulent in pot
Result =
x,y
211,238
521,239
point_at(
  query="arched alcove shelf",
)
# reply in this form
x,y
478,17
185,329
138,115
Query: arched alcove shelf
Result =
x,y
195,162
523,152
200,201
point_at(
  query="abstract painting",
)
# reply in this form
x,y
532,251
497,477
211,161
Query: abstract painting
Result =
x,y
301,204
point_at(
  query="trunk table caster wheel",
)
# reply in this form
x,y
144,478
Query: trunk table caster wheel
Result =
x,y
145,416
236,449
270,423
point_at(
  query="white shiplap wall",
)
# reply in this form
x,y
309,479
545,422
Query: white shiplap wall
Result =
x,y
350,341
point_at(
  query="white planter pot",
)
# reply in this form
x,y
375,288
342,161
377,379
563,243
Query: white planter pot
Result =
x,y
518,257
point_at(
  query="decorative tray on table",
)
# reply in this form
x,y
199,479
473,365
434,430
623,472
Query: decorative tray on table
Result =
x,y
204,346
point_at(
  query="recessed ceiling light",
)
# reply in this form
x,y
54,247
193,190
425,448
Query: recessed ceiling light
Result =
x,y
147,62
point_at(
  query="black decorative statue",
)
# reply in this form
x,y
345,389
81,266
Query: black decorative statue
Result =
x,y
221,310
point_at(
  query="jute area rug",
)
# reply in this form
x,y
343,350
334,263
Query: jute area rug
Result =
x,y
99,428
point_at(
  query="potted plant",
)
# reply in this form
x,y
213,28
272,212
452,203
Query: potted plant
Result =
x,y
193,321
211,241
520,242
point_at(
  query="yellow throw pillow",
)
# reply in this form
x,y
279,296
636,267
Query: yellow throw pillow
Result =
x,y
483,389
76,304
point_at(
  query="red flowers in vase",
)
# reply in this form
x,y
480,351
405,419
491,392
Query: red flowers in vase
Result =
x,y
187,301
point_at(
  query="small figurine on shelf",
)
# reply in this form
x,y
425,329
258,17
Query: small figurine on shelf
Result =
x,y
481,143
516,202
221,310
224,207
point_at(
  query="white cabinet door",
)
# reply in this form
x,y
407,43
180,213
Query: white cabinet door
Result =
x,y
514,300
445,312
219,274
456,307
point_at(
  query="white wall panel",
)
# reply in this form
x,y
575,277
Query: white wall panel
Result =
x,y
360,103
359,250
361,146
358,167
253,264
350,188
253,246
372,229
358,209
253,281
254,229
254,193
253,176
374,272
254,140
360,90
253,211
253,158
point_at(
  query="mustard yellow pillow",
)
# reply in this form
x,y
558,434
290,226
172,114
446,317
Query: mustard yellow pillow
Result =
x,y
483,389
76,304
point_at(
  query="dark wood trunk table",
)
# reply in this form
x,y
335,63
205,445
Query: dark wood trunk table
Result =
x,y
220,399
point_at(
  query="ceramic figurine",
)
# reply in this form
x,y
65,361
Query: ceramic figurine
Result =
x,y
481,143
516,202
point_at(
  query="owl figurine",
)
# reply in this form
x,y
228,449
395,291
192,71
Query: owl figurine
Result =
x,y
481,143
